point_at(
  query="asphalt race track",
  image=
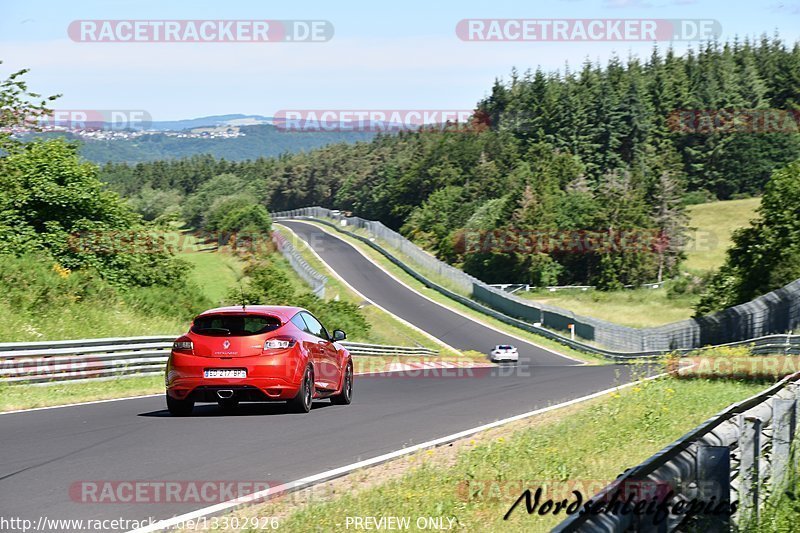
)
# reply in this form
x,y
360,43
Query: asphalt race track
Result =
x,y
453,328
46,452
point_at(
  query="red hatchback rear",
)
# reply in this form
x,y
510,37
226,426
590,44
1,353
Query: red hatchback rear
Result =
x,y
255,354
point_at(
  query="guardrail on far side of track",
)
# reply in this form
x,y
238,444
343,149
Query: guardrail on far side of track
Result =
x,y
42,362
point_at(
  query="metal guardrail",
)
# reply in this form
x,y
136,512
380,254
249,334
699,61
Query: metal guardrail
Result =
x,y
780,343
316,280
775,312
741,455
42,362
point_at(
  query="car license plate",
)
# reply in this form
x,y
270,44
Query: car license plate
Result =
x,y
225,373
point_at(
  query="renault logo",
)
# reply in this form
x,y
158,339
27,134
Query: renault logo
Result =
x,y
226,344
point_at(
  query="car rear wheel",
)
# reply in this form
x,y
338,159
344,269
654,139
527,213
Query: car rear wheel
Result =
x,y
301,403
346,396
179,407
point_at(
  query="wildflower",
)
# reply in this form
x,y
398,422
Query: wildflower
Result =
x,y
64,272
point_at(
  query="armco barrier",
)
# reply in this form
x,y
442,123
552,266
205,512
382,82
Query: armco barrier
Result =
x,y
773,313
741,455
316,280
40,362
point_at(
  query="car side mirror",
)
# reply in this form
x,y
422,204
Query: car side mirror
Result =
x,y
339,335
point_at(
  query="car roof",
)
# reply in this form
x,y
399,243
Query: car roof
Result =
x,y
284,312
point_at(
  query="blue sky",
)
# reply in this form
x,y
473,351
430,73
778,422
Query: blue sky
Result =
x,y
398,55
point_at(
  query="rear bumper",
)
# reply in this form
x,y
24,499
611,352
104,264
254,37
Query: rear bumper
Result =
x,y
504,357
269,378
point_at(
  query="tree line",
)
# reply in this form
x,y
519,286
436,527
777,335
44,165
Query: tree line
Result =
x,y
573,177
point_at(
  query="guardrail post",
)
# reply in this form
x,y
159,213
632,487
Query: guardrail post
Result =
x,y
784,424
713,480
750,450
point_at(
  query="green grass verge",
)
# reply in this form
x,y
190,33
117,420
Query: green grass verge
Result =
x,y
215,272
460,308
82,321
631,307
782,509
477,483
714,223
14,397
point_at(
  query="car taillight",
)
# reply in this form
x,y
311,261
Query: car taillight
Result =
x,y
279,343
183,346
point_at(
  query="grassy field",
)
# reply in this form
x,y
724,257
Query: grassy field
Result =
x,y
714,223
82,321
631,307
215,272
14,397
475,481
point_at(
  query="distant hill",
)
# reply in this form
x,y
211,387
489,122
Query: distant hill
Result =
x,y
213,120
257,141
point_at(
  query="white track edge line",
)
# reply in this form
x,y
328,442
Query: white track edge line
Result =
x,y
343,470
79,404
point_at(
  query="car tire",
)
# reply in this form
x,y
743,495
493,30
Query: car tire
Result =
x,y
301,403
179,407
346,395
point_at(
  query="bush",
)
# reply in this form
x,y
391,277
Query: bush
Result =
x,y
687,284
251,219
269,285
336,315
766,254
50,200
698,197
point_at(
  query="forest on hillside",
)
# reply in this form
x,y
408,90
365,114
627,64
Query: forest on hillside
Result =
x,y
554,162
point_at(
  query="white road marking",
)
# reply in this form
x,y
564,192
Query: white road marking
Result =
x,y
80,403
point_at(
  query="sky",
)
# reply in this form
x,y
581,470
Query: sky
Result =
x,y
383,55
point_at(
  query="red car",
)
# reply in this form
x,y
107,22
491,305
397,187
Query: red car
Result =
x,y
257,353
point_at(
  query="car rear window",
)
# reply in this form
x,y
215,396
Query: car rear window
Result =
x,y
505,347
234,325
